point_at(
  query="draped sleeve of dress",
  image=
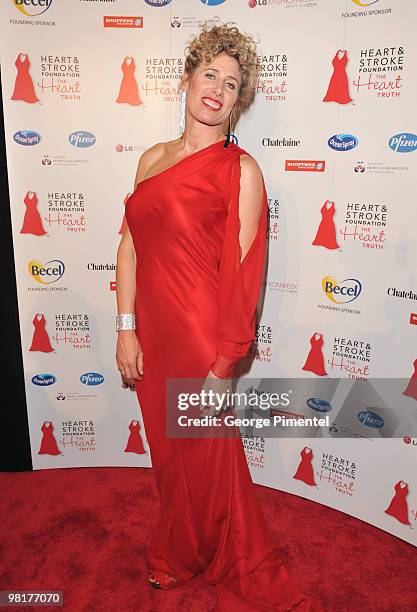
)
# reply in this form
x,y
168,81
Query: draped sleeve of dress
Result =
x,y
195,311
239,283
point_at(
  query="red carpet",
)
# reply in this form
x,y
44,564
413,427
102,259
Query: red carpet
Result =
x,y
85,531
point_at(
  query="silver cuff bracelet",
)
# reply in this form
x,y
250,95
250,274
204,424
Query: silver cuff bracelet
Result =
x,y
125,321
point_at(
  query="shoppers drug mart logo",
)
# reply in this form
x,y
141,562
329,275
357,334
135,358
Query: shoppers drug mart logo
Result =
x,y
91,379
342,142
46,273
370,419
32,8
44,380
343,292
403,143
27,138
82,139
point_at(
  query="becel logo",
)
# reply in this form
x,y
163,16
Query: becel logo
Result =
x,y
37,6
342,142
82,139
91,379
370,419
27,138
46,273
343,292
318,404
44,380
365,3
403,143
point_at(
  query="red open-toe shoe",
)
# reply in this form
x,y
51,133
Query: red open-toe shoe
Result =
x,y
160,580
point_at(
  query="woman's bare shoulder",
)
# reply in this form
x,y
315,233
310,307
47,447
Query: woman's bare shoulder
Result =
x,y
151,156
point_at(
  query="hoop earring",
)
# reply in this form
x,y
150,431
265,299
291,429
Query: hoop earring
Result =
x,y
229,132
182,112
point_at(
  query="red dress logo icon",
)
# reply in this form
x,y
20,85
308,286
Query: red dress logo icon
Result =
x,y
305,468
32,222
338,90
398,507
411,389
134,443
40,340
48,444
326,233
124,222
315,361
23,87
129,93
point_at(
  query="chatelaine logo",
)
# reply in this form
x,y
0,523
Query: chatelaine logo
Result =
x,y
342,142
91,379
341,293
27,138
46,273
403,143
82,139
319,405
36,7
370,419
44,380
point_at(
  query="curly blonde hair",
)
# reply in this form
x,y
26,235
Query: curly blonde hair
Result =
x,y
226,38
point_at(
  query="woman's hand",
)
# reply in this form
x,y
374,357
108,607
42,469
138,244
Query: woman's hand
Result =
x,y
218,386
129,357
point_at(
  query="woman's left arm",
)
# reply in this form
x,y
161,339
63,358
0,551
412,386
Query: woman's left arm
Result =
x,y
241,266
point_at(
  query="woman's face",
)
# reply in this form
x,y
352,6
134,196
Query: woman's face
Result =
x,y
213,89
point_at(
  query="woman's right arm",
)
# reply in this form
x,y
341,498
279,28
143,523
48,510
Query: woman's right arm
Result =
x,y
129,354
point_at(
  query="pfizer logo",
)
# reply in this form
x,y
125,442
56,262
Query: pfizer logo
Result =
x,y
82,139
403,143
370,419
91,379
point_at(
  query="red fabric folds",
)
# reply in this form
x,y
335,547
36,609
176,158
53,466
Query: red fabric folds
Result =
x,y
239,284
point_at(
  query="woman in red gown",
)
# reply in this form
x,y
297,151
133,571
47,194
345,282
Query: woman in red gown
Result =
x,y
189,271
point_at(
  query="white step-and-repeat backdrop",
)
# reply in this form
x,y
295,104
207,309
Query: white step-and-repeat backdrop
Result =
x,y
87,87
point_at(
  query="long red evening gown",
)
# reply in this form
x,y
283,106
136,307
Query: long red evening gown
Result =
x,y
195,311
